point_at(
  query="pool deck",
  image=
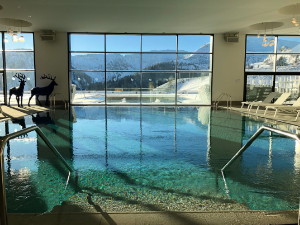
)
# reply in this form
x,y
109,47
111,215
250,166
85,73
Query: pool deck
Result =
x,y
13,111
157,218
282,117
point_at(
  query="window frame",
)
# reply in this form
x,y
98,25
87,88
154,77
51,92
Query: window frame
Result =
x,y
273,73
141,70
4,70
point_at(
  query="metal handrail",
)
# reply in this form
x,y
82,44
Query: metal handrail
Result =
x,y
219,98
254,136
250,141
3,141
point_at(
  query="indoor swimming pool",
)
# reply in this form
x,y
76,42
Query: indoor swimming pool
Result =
x,y
130,159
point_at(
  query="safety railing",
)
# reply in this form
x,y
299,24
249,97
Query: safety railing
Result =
x,y
254,136
220,97
250,141
3,141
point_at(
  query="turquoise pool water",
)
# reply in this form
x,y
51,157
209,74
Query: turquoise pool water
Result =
x,y
149,159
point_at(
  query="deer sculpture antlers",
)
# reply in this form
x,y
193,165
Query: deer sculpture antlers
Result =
x,y
49,77
20,76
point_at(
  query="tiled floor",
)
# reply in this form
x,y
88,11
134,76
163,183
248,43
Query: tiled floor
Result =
x,y
157,218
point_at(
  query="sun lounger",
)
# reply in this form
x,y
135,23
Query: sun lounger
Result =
x,y
298,112
268,99
285,108
279,101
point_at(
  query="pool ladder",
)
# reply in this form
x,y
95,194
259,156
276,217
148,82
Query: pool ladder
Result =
x,y
220,97
250,141
3,141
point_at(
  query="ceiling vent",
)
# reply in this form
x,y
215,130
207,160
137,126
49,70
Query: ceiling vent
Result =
x,y
231,37
47,35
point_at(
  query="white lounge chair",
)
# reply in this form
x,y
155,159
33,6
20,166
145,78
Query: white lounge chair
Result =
x,y
268,99
279,101
285,108
298,112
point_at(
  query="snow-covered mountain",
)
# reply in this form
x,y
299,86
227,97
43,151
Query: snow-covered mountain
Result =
x,y
163,61
132,62
265,62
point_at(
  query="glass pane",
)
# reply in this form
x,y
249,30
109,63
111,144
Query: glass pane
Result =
x,y
123,87
194,88
116,61
14,82
1,89
288,83
123,43
158,61
256,45
26,45
87,87
194,62
258,87
194,43
286,63
90,61
159,43
158,88
1,60
87,42
259,62
19,60
1,42
288,44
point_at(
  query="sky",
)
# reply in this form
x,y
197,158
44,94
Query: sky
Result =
x,y
27,44
132,43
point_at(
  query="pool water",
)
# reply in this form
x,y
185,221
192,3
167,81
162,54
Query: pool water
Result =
x,y
149,159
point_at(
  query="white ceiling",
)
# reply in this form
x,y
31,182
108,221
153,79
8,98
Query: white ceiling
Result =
x,y
149,16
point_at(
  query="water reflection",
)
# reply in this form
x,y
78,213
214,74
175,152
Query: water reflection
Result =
x,y
297,157
170,149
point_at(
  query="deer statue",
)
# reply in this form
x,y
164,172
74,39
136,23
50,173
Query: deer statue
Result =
x,y
18,91
43,90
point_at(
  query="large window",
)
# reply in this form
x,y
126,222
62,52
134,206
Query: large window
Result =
x,y
272,64
140,69
16,58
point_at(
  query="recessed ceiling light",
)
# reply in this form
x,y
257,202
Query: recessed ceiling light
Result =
x,y
290,9
266,25
14,22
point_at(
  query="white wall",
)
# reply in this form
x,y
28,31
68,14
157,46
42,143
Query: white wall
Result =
x,y
228,65
51,57
228,68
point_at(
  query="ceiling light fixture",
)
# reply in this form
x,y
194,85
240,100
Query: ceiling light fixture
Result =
x,y
295,20
14,29
265,26
293,11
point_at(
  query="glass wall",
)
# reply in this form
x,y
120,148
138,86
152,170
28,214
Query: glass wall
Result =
x,y
140,69
18,58
272,63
